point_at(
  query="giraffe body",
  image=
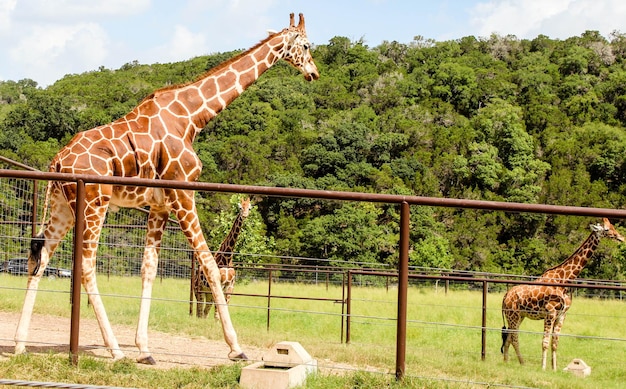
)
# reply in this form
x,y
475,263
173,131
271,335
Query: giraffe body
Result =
x,y
547,302
153,141
224,260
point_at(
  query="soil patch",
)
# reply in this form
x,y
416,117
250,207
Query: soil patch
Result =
x,y
52,333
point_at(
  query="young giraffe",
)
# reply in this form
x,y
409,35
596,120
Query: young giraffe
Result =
x,y
153,141
549,303
224,260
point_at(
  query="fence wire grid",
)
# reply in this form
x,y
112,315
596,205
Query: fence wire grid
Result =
x,y
120,252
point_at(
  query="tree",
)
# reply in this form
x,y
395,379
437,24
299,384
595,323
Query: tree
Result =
x,y
42,116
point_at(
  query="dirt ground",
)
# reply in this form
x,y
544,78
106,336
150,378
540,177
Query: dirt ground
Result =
x,y
51,333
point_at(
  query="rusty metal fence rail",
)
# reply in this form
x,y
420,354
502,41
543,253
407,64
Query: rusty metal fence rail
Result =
x,y
403,201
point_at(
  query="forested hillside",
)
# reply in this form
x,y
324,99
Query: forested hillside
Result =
x,y
536,121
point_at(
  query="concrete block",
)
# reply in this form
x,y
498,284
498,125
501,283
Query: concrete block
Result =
x,y
578,367
284,366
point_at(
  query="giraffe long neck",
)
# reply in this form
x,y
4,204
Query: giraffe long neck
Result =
x,y
572,266
200,101
224,256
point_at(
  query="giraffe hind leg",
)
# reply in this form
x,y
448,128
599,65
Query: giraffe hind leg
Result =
x,y
42,248
190,225
513,338
35,267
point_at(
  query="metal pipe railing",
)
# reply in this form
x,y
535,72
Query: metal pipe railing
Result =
x,y
330,195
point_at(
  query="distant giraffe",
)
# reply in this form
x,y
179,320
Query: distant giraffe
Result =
x,y
224,259
154,141
549,303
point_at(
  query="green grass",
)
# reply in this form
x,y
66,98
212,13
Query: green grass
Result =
x,y
443,338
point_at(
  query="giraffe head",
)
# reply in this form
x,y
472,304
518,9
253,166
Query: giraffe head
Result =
x,y
244,206
297,49
607,230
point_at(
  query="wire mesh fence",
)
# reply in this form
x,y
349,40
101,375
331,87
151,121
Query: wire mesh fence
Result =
x,y
122,240
121,251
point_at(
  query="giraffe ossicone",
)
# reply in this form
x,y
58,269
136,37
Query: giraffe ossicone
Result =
x,y
153,141
547,302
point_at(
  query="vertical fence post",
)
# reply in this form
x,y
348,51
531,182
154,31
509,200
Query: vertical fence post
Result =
x,y
79,227
343,302
403,284
484,324
269,298
348,307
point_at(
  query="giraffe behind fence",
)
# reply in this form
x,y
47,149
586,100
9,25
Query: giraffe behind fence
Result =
x,y
224,259
154,141
549,303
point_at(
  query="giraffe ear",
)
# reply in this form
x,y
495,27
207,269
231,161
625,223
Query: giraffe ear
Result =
x,y
271,32
596,227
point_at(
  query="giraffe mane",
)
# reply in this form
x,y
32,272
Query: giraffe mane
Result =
x,y
594,231
213,70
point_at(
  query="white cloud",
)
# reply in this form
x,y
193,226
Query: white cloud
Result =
x,y
224,23
44,40
184,44
558,19
6,9
51,51
517,18
60,10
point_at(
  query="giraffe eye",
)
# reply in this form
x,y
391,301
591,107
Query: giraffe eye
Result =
x,y
306,46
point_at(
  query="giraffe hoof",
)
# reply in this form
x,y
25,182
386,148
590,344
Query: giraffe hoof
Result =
x,y
240,357
20,349
147,360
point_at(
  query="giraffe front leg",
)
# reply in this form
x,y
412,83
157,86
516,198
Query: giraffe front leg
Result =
x,y
93,294
185,209
221,309
555,339
210,303
545,344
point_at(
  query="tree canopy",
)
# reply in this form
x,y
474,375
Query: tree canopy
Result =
x,y
497,118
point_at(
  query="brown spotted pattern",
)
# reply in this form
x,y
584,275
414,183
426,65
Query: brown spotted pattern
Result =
x,y
549,303
154,141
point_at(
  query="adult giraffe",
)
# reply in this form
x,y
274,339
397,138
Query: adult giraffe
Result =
x,y
153,141
548,302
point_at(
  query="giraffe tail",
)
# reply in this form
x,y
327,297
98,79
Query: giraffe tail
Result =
x,y
505,333
36,244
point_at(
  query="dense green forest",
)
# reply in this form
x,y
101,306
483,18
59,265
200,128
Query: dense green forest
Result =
x,y
498,118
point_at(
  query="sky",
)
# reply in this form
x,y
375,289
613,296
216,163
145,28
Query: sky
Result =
x,y
44,40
